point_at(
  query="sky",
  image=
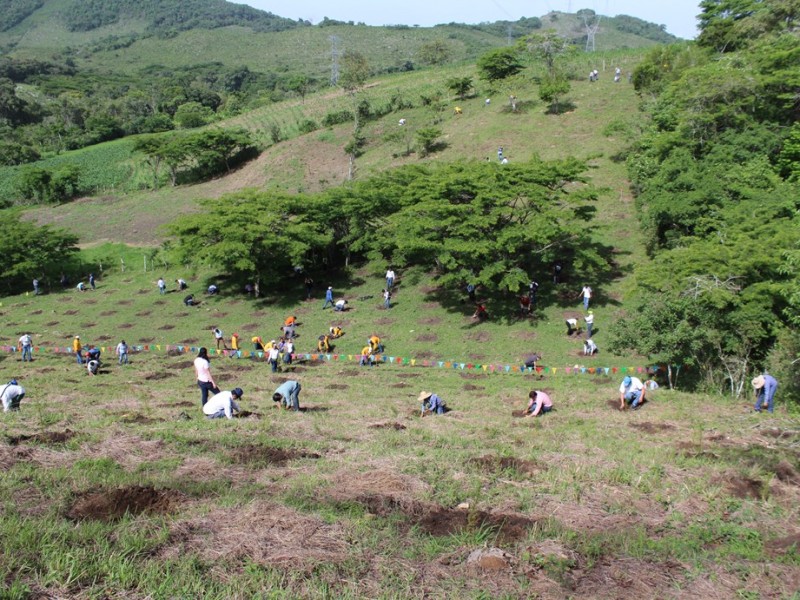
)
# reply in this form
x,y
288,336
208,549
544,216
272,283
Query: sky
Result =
x,y
679,16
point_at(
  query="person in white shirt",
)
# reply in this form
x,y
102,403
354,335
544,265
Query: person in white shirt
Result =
x,y
223,404
340,305
572,326
11,394
272,357
631,391
389,278
586,292
122,352
589,347
589,318
26,345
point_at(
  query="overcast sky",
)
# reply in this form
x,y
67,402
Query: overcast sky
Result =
x,y
677,15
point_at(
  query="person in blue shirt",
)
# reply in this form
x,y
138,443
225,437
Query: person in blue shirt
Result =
x,y
765,386
432,402
288,394
328,298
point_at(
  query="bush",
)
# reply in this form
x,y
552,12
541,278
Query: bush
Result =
x,y
307,126
337,118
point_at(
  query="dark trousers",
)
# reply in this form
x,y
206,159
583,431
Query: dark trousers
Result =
x,y
205,387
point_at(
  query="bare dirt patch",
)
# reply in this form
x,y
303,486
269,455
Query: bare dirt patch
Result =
x,y
52,323
146,340
429,321
166,327
180,315
46,437
408,375
744,487
125,326
399,385
651,427
427,337
257,454
388,425
158,375
102,338
385,321
111,505
601,381
784,544
108,313
499,464
479,336
787,473
71,312
125,302
144,313
258,313
351,373
471,388
780,433
237,367
180,365
139,420
338,386
426,355
183,404
36,312
473,375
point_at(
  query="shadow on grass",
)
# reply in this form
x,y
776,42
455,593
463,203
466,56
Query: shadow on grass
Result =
x,y
559,108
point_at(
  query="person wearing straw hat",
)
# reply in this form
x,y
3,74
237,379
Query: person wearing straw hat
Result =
x,y
431,402
765,386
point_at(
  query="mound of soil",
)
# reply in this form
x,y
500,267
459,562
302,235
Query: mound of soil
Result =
x,y
71,312
36,312
247,414
52,323
139,420
399,385
180,315
601,381
125,326
425,355
438,521
407,375
479,336
787,473
185,404
87,325
429,321
472,375
190,341
387,425
111,505
166,327
279,380
125,302
142,292
180,365
146,340
338,386
159,375
427,337
744,487
498,464
144,313
102,338
784,544
779,433
651,427
238,367
471,388
351,373
46,437
268,455
108,313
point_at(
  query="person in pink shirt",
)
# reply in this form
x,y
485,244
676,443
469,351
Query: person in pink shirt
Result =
x,y
204,379
538,404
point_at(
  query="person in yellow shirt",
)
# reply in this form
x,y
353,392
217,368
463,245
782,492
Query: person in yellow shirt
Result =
x,y
375,344
258,343
366,356
77,348
324,343
235,341
335,332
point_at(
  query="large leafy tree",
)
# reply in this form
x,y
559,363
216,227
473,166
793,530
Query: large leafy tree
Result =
x,y
30,251
499,64
254,236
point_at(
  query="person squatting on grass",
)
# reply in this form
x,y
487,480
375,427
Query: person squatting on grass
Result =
x,y
431,402
589,348
765,387
538,404
631,392
288,394
205,381
223,404
11,395
366,356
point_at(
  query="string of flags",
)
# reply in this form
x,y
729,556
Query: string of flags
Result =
x,y
384,358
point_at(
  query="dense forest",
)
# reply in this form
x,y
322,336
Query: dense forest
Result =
x,y
716,179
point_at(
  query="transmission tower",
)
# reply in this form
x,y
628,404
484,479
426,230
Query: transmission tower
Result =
x,y
335,54
591,31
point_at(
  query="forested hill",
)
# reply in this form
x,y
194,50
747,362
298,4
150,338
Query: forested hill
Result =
x,y
151,16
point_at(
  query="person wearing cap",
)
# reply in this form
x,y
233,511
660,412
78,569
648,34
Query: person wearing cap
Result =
x,y
235,342
765,386
288,394
328,298
77,348
26,345
538,404
631,391
223,404
11,395
205,381
272,356
589,318
324,343
432,402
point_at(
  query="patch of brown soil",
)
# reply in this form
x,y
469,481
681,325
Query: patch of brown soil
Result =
x,y
498,464
780,434
787,473
408,375
87,325
479,336
387,425
180,315
158,375
111,505
429,321
108,313
102,338
71,312
473,375
338,386
476,356
427,337
744,487
140,420
37,312
257,454
278,380
189,341
166,327
471,388
184,404
399,385
143,292
626,578
425,355
46,437
351,373
258,313
180,365
125,302
613,404
237,367
144,313
52,323
439,521
601,381
784,544
146,340
385,321
125,326
651,427
518,414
